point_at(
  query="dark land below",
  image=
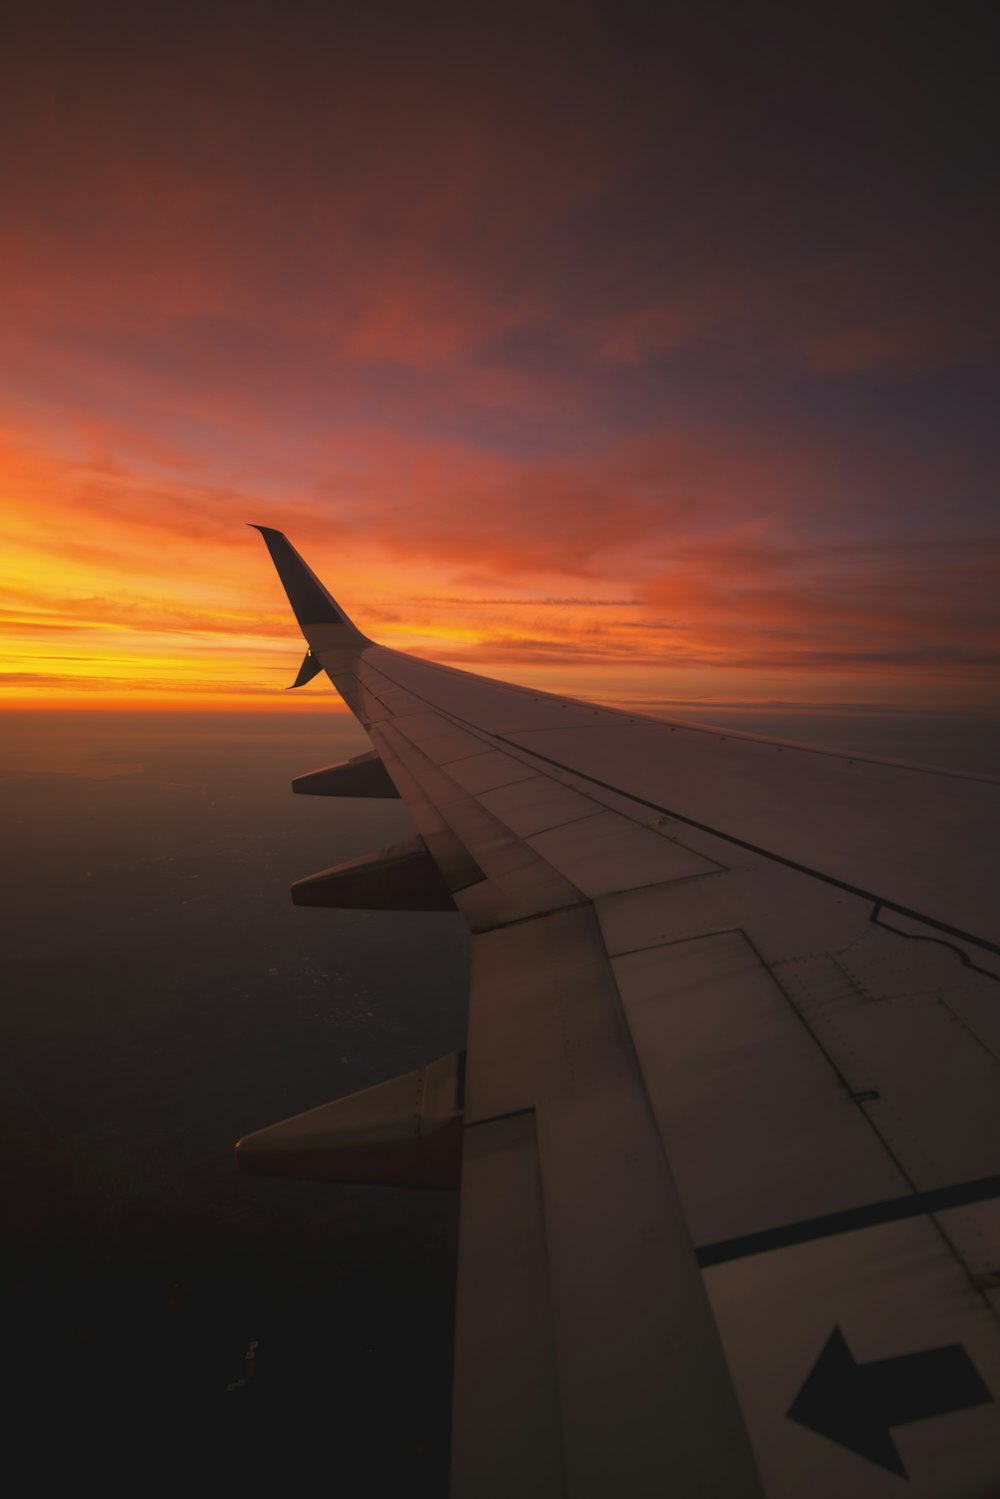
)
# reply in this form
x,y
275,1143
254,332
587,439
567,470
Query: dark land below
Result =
x,y
162,997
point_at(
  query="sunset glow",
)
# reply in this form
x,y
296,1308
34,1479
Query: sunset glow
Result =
x,y
553,362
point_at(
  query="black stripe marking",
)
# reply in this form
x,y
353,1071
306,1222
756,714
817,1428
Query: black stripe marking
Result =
x,y
913,1205
495,1118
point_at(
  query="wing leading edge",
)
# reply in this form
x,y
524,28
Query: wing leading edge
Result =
x,y
731,1162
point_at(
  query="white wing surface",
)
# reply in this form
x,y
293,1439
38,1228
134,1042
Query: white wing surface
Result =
x,y
730,1216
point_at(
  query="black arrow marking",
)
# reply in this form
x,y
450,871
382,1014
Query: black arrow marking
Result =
x,y
855,1404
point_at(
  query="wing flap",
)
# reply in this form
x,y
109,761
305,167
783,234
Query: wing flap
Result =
x,y
507,1421
646,1404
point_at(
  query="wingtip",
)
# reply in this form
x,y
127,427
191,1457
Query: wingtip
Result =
x,y
311,603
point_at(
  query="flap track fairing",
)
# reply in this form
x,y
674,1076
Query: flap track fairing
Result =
x,y
365,775
403,877
406,1132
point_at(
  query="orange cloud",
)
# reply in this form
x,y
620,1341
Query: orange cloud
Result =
x,y
166,595
486,315
891,610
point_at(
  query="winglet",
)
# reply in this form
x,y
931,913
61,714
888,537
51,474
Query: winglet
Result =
x,y
310,601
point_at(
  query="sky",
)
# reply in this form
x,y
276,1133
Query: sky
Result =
x,y
643,353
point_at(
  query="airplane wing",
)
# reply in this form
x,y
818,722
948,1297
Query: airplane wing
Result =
x,y
729,1115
